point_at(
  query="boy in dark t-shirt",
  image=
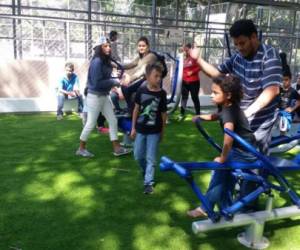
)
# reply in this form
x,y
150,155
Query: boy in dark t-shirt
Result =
x,y
148,123
289,97
289,102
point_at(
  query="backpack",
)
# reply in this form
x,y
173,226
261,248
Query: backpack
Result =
x,y
161,58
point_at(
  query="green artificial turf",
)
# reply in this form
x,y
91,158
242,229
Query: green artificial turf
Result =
x,y
52,199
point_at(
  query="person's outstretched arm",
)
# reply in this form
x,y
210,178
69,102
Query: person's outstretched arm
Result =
x,y
207,117
132,64
206,67
140,72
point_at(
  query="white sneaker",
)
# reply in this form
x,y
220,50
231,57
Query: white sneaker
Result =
x,y
84,153
122,151
59,117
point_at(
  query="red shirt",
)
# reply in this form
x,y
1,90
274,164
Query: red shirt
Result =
x,y
190,65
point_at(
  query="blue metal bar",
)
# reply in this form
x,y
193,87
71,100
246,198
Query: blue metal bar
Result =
x,y
168,165
238,205
174,82
267,164
282,140
206,136
249,177
170,56
193,166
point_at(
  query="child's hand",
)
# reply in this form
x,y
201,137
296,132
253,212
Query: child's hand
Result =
x,y
219,159
289,109
119,73
72,93
132,133
125,80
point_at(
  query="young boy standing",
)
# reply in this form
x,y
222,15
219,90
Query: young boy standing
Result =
x,y
148,123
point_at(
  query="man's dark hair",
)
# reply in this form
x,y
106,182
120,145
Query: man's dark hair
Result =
x,y
188,45
98,52
154,66
243,27
69,65
230,84
144,39
112,34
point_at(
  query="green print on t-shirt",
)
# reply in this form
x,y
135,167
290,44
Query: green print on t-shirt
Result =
x,y
149,112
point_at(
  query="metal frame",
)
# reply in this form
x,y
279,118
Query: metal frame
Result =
x,y
155,23
255,222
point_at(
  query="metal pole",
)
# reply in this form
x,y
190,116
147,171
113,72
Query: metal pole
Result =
x,y
123,44
89,32
15,44
177,12
153,33
206,29
176,23
293,32
44,39
20,47
67,39
296,56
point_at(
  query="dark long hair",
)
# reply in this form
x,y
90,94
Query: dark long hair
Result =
x,y
145,40
230,84
98,52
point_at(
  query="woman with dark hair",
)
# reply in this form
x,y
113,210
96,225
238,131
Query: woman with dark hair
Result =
x,y
99,84
131,82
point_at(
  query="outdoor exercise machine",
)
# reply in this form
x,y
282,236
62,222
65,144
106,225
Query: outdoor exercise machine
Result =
x,y
227,217
124,122
176,83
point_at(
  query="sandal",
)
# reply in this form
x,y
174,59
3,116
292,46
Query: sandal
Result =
x,y
122,151
196,213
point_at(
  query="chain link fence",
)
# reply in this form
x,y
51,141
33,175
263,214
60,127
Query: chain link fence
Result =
x,y
37,37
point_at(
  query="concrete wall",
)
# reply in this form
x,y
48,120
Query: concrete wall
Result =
x,y
29,85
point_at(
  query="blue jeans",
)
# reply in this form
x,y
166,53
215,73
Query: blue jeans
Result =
x,y
61,101
222,182
145,152
115,100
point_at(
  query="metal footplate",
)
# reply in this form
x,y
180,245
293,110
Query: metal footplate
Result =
x,y
255,222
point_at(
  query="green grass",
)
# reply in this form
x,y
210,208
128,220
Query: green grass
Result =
x,y
51,199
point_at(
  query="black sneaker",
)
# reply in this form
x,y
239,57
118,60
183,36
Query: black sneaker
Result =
x,y
148,189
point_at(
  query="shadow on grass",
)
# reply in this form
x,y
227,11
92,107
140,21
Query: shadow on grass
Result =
x,y
51,199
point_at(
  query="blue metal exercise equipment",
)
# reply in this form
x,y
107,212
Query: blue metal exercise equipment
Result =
x,y
176,83
226,217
